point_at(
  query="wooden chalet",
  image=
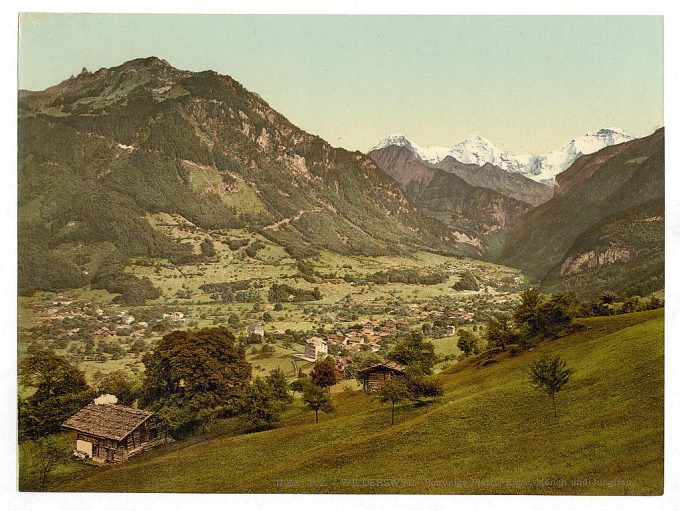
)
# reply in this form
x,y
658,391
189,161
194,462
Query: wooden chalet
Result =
x,y
109,433
376,376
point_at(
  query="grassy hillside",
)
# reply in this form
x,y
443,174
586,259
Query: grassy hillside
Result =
x,y
490,433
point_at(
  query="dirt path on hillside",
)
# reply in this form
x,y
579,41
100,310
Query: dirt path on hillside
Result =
x,y
275,226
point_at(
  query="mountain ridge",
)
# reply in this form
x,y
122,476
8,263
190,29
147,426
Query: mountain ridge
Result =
x,y
604,228
511,184
119,144
102,154
542,167
480,213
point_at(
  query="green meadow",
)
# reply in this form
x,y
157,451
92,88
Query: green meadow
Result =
x,y
490,433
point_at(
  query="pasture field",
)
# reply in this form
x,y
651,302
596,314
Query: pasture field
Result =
x,y
491,433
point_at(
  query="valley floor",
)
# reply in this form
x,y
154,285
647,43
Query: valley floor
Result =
x,y
491,433
67,321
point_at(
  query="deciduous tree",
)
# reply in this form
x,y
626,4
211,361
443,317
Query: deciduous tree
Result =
x,y
396,390
499,332
44,456
325,373
550,374
316,398
424,386
279,386
258,407
51,375
415,352
467,341
60,390
190,371
299,384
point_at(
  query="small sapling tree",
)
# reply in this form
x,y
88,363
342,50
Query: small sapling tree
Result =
x,y
550,374
316,398
395,391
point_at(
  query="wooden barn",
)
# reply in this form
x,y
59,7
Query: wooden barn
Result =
x,y
109,433
376,376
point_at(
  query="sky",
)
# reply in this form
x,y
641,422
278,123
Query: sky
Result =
x,y
527,83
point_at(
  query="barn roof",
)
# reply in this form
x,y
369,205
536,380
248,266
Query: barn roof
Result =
x,y
394,366
107,420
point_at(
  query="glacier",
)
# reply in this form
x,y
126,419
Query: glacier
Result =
x,y
539,167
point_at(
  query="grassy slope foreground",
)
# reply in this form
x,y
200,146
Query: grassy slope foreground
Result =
x,y
490,433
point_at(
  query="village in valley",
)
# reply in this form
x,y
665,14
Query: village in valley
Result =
x,y
387,351
232,280
308,336
355,323
267,298
99,336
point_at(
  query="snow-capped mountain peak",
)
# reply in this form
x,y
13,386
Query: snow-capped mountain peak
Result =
x,y
478,150
591,142
478,140
425,153
475,144
539,167
398,139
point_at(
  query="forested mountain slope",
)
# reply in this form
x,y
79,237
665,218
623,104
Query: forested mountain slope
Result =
x,y
102,151
604,228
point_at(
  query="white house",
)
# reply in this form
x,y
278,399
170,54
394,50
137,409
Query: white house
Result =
x,y
255,329
315,348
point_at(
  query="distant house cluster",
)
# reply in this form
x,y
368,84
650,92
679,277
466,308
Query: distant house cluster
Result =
x,y
460,314
102,324
367,337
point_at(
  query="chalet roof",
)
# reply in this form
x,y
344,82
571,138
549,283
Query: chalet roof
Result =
x,y
393,366
107,420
